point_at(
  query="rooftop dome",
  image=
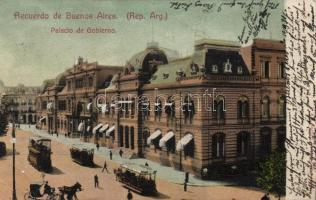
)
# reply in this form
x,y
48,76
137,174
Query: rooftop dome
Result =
x,y
141,60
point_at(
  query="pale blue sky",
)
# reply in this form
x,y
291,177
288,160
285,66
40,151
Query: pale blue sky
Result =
x,y
29,53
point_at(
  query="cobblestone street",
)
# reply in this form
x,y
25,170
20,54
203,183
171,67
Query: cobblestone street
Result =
x,y
67,172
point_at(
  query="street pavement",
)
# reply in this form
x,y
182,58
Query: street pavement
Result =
x,y
67,172
163,172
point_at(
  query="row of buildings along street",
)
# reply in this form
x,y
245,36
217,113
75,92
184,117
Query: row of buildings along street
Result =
x,y
219,109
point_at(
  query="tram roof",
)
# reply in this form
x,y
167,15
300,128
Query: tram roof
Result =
x,y
141,169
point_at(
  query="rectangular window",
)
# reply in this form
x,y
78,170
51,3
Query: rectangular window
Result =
x,y
214,68
239,70
62,105
90,81
282,70
69,85
265,69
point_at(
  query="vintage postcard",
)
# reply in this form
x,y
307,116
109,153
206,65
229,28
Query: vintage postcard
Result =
x,y
174,99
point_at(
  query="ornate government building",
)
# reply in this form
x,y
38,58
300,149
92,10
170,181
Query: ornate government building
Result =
x,y
223,105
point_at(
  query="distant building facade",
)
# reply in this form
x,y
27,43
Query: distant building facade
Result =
x,y
20,101
223,105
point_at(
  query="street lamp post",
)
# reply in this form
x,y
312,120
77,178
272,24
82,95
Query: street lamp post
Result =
x,y
13,164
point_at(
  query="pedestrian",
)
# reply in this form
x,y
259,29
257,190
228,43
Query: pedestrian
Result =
x,y
186,177
121,153
265,197
98,146
96,181
204,172
185,185
146,164
111,155
129,195
105,167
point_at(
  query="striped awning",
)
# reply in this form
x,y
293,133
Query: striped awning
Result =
x,y
184,141
96,128
104,128
89,106
153,136
110,130
165,139
80,127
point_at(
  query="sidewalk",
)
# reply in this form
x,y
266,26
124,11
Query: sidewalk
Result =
x,y
166,173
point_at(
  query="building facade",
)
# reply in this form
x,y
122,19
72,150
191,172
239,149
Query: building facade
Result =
x,y
223,105
20,102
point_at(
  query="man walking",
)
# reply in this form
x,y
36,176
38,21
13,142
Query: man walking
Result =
x,y
111,155
129,195
121,153
96,181
105,167
98,146
186,177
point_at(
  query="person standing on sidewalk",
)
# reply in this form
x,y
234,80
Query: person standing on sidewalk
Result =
x,y
121,153
186,177
111,154
98,146
105,167
96,181
185,185
129,195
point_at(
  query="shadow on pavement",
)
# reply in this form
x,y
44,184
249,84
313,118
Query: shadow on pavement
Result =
x,y
160,195
56,171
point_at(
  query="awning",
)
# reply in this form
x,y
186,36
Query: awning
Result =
x,y
110,130
166,138
153,136
95,129
183,142
42,119
89,106
104,128
80,127
88,128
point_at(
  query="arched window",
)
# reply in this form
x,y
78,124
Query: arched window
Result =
x,y
282,107
218,145
219,108
188,109
265,141
265,106
243,109
243,141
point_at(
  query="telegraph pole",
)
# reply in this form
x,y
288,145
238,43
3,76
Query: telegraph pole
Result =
x,y
13,167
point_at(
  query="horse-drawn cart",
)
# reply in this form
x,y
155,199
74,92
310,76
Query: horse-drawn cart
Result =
x,y
139,178
40,153
82,155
